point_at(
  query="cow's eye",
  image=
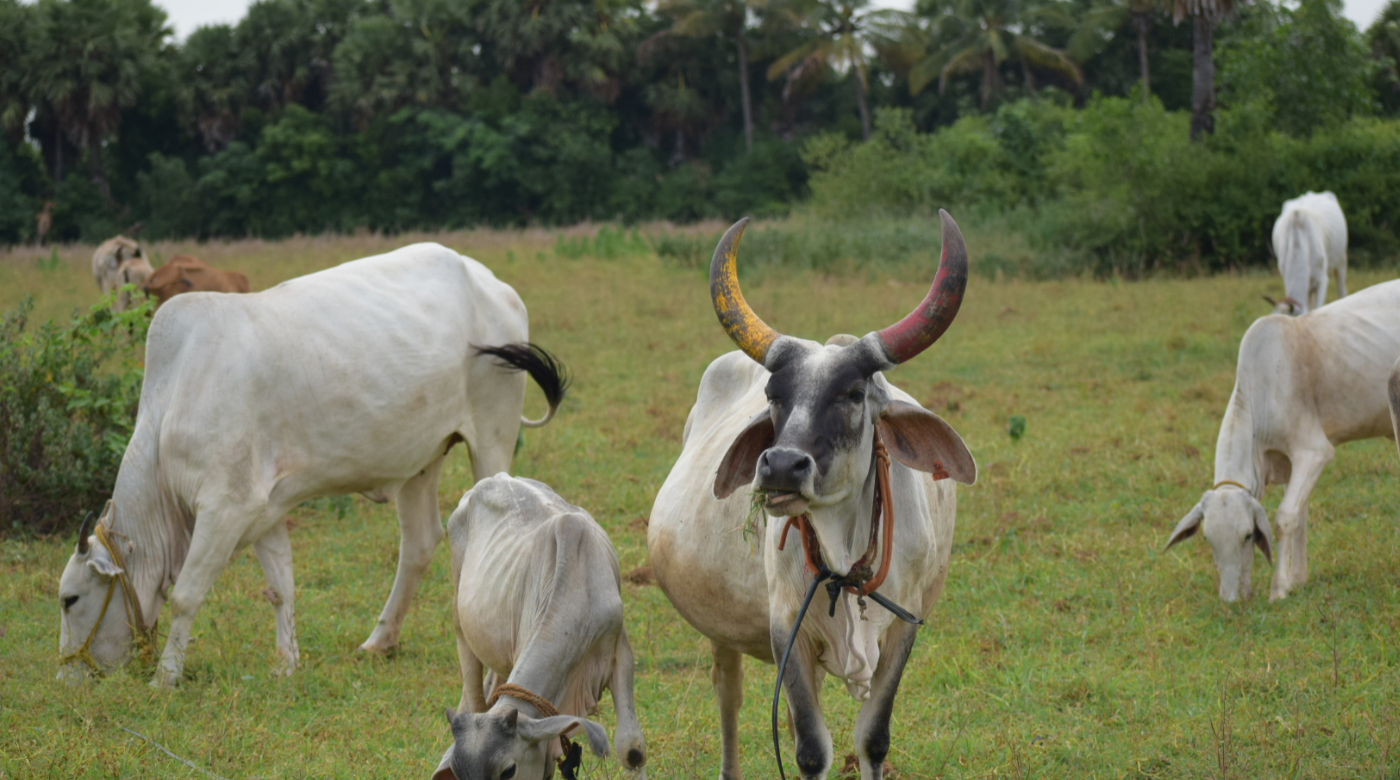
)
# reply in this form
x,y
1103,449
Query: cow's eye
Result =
x,y
856,396
69,601
509,773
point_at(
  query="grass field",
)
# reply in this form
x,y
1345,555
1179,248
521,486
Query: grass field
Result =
x,y
1067,643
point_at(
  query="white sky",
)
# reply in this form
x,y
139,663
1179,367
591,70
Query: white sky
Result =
x,y
186,15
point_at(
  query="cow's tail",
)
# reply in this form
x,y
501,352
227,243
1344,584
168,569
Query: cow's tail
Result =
x,y
547,371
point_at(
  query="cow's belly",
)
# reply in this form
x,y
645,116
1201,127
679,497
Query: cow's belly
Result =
x,y
710,572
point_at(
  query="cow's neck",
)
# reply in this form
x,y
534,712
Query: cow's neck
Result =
x,y
150,517
844,527
1237,448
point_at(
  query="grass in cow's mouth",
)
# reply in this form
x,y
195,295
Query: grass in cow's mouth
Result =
x,y
757,519
1067,643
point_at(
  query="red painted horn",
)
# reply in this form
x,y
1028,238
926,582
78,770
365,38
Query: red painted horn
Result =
x,y
905,339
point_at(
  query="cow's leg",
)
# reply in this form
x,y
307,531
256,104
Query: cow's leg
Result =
x,y
493,449
274,551
473,699
420,529
214,541
1341,269
1291,567
873,723
802,684
630,744
1321,299
727,674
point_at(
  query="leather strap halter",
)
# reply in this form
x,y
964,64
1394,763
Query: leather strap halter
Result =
x,y
568,762
145,637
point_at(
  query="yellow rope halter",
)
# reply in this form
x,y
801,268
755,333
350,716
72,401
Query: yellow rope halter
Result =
x,y
1223,482
145,637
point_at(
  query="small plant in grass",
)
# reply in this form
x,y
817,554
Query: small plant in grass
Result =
x,y
68,396
50,263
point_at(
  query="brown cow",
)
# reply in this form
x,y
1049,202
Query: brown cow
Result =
x,y
186,273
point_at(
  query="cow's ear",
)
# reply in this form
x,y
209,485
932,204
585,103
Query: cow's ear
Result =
x,y
1263,539
1188,526
535,731
737,468
926,442
444,770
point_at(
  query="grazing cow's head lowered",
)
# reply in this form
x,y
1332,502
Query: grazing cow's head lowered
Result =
x,y
503,744
1234,522
95,632
812,447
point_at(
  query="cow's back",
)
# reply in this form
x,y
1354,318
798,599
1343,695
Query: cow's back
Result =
x,y
340,381
1327,367
1326,210
536,582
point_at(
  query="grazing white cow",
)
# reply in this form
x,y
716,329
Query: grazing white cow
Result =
x,y
1310,239
358,378
1303,385
117,262
539,604
802,423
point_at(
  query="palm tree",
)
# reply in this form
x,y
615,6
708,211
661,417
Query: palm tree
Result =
x,y
214,84
1384,39
841,35
86,63
14,41
980,35
1108,18
1205,15
728,18
541,44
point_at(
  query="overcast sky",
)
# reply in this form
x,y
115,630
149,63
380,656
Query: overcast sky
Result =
x,y
186,15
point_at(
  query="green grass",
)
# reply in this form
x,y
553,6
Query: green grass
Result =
x,y
1067,643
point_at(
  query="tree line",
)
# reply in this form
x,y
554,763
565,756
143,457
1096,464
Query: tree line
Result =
x,y
316,115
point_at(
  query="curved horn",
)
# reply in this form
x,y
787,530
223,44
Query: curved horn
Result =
x,y
739,321
913,334
83,531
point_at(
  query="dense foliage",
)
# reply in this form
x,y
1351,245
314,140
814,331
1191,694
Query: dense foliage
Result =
x,y
68,396
334,115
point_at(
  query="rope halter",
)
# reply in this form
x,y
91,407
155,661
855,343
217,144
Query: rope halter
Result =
x,y
145,637
573,754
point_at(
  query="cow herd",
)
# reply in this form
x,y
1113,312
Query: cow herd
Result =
x,y
801,466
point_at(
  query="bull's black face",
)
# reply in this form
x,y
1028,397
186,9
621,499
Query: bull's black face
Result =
x,y
822,411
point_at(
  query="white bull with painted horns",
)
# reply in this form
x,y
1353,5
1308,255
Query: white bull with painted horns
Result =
x,y
1303,385
852,474
358,378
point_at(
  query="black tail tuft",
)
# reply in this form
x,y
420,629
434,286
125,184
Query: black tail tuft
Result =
x,y
547,370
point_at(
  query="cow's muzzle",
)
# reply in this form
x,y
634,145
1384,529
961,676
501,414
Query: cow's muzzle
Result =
x,y
786,477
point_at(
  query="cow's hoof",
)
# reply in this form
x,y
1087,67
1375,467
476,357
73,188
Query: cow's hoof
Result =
x,y
385,651
165,681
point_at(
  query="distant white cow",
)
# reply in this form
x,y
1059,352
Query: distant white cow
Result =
x,y
117,262
848,463
539,604
1310,239
358,378
1302,386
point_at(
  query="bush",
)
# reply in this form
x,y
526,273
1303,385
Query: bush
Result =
x,y
68,397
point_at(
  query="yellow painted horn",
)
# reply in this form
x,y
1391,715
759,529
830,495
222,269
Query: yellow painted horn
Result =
x,y
748,331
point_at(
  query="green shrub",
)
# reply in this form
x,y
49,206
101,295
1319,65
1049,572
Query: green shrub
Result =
x,y
68,397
